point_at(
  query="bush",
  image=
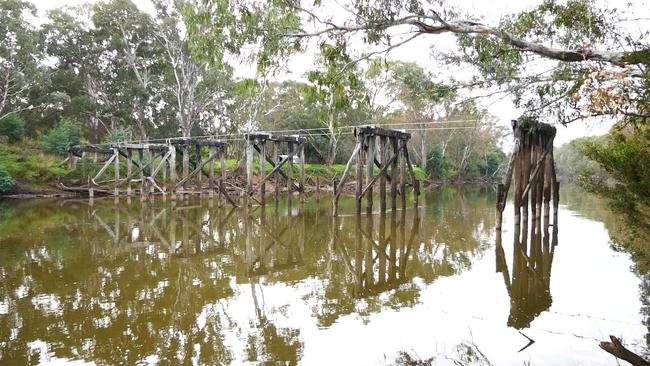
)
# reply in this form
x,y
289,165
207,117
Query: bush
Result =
x,y
66,134
6,182
120,134
13,127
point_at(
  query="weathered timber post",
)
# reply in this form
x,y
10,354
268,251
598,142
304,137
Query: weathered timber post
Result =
x,y
91,191
263,171
172,171
212,151
129,170
382,178
72,161
222,180
393,174
370,167
116,167
197,158
302,173
290,175
402,148
276,175
249,168
143,182
359,171
186,167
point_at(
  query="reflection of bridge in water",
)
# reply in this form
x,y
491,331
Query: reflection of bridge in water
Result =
x,y
132,279
274,240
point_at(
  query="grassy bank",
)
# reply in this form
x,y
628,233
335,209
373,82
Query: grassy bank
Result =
x,y
29,166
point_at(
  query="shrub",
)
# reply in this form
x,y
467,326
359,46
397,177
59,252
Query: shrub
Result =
x,y
120,134
66,134
6,182
13,127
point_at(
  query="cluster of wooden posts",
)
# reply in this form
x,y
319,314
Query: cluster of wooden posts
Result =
x,y
147,164
387,150
294,147
535,187
533,170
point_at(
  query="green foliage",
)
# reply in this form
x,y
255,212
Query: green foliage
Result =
x,y
625,157
571,162
440,167
65,135
13,127
6,182
29,165
495,158
120,134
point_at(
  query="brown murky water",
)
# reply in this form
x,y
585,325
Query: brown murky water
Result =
x,y
189,283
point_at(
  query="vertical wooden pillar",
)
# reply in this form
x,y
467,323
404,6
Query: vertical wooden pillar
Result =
x,y
263,172
129,171
116,167
143,182
393,174
249,167
382,177
91,191
165,164
290,175
186,164
212,153
172,170
222,180
402,148
302,173
72,161
359,173
370,167
199,175
276,177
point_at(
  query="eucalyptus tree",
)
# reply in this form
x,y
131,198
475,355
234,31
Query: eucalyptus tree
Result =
x,y
133,60
200,93
336,90
595,63
20,58
421,98
76,75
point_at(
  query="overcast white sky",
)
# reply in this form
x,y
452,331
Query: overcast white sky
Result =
x,y
419,51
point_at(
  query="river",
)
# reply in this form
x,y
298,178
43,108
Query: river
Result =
x,y
121,282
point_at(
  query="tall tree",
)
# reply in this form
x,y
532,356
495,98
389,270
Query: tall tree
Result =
x,y
591,54
200,91
421,98
20,58
336,90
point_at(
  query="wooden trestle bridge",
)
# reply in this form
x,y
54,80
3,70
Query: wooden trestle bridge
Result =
x,y
152,169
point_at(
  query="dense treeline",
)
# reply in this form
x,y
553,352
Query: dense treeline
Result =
x,y
109,71
571,162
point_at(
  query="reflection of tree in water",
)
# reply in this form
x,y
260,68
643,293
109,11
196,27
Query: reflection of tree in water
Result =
x,y
270,344
268,252
93,297
621,236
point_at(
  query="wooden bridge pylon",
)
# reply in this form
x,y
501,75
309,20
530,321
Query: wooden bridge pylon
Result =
x,y
532,168
372,149
152,160
257,145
